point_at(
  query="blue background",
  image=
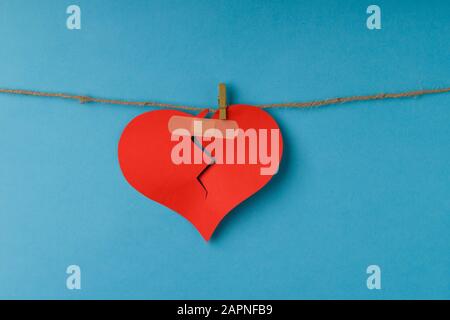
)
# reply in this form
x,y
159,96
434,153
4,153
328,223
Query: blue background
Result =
x,y
360,184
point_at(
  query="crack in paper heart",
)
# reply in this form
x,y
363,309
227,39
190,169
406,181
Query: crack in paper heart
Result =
x,y
197,144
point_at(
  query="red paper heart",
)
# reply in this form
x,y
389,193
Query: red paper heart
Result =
x,y
145,149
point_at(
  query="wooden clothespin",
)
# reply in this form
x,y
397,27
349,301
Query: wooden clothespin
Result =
x,y
222,102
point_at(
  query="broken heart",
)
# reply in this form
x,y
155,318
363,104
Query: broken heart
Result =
x,y
166,168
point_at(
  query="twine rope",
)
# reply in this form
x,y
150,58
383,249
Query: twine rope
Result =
x,y
309,104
